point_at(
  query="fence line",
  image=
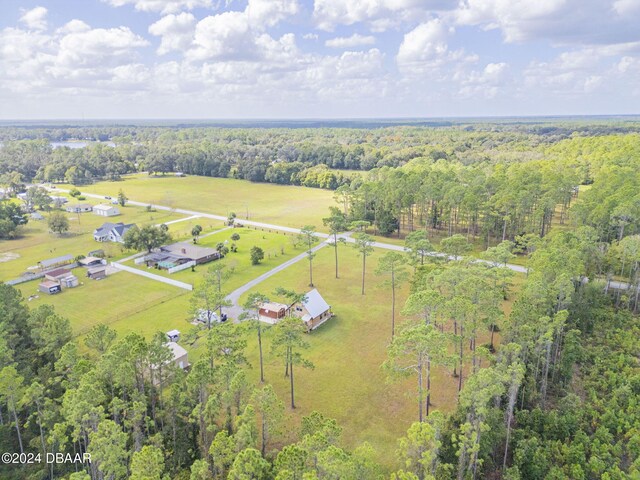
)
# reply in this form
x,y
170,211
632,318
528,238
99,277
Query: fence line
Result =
x,y
168,281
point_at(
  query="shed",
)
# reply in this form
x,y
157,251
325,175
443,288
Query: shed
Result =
x,y
90,261
57,274
97,273
106,210
49,287
173,335
271,312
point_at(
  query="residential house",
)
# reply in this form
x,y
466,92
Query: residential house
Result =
x,y
314,311
111,232
180,357
79,208
172,256
193,252
58,200
106,210
49,287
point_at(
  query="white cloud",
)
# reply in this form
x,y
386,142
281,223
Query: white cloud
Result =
x,y
627,7
310,36
485,83
176,32
354,40
35,19
563,22
162,6
380,14
223,36
425,50
270,12
73,57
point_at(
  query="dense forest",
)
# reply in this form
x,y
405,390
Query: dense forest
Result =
x,y
556,398
559,399
487,181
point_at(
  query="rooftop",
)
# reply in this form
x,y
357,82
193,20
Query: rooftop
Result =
x,y
315,304
56,261
58,272
103,206
190,250
176,349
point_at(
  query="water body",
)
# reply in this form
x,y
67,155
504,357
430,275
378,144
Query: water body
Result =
x,y
78,144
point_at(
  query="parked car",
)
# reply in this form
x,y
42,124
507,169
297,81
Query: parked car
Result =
x,y
108,197
203,317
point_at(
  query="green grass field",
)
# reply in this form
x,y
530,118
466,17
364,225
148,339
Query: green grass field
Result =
x,y
277,248
113,300
36,243
277,204
347,383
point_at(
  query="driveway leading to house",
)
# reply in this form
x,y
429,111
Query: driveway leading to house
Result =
x,y
235,310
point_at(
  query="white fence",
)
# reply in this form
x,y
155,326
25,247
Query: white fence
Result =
x,y
139,260
168,281
184,266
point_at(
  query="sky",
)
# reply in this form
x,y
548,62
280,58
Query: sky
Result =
x,y
270,59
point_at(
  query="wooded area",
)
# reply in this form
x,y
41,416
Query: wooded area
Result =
x,y
553,394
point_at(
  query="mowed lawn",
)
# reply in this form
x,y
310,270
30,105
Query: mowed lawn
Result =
x,y
348,383
36,243
113,300
277,247
277,204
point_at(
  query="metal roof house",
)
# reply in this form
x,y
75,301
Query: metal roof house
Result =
x,y
313,311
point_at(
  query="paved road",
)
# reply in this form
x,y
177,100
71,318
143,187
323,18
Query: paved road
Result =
x,y
387,246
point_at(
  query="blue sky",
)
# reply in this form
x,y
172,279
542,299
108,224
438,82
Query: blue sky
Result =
x,y
317,58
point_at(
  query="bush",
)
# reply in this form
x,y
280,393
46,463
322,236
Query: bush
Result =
x,y
257,254
81,197
235,237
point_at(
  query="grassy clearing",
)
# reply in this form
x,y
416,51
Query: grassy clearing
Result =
x,y
347,383
278,204
277,248
36,243
111,300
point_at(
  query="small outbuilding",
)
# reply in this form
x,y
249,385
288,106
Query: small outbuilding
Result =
x,y
173,335
91,261
49,287
97,273
63,277
104,210
56,262
271,312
